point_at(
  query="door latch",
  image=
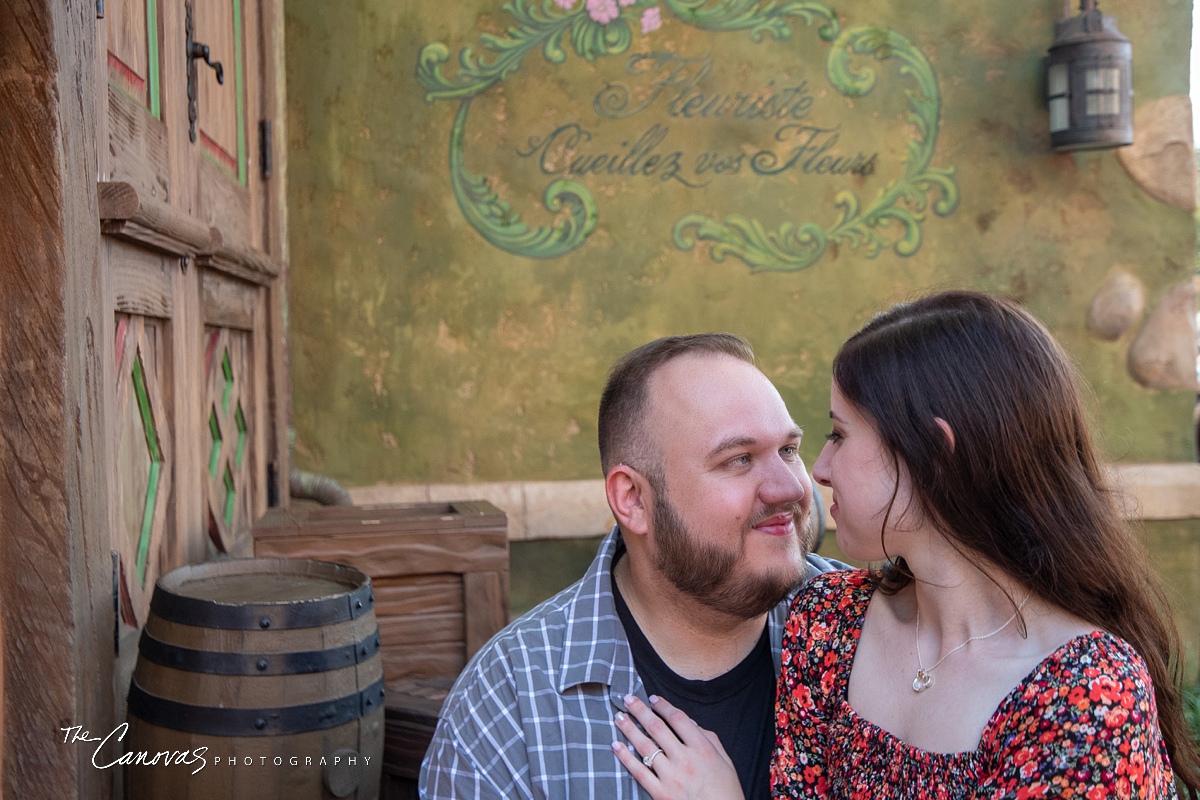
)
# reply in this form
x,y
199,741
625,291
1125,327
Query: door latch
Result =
x,y
197,50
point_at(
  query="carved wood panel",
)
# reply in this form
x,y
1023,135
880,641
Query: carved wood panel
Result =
x,y
230,413
144,458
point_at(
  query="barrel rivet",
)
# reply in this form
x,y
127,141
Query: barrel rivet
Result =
x,y
358,603
260,723
262,664
364,650
376,642
265,622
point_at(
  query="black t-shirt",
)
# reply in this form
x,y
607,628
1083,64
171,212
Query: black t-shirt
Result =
x,y
739,706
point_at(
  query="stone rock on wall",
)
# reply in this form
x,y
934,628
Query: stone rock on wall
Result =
x,y
1163,356
1118,304
1161,158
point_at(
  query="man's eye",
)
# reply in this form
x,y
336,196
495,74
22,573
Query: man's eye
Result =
x,y
739,461
790,451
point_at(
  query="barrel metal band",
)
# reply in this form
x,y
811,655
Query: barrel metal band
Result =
x,y
262,616
283,721
221,663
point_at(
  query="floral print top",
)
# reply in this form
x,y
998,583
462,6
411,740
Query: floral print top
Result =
x,y
1083,724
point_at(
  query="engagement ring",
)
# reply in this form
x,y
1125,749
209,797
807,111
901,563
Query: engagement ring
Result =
x,y
649,760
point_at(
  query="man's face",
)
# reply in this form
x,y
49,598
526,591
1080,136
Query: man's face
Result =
x,y
730,527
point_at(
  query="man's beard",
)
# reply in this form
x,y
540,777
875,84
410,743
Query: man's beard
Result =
x,y
705,572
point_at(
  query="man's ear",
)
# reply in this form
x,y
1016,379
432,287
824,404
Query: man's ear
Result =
x,y
629,498
947,431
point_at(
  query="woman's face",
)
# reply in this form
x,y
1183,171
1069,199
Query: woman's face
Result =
x,y
857,466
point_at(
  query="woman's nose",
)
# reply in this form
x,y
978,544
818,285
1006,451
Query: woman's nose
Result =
x,y
820,471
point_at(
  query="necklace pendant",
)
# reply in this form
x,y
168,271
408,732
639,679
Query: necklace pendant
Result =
x,y
922,681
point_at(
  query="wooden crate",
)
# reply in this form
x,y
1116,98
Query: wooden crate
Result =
x,y
439,570
411,715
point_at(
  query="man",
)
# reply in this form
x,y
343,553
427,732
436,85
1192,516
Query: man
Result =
x,y
685,600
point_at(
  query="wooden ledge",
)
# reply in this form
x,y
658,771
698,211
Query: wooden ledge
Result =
x,y
579,509
242,262
1159,491
147,221
535,509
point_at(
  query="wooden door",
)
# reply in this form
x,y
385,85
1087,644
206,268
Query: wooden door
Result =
x,y
192,250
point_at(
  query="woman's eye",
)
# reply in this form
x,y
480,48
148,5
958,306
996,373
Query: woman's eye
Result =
x,y
833,436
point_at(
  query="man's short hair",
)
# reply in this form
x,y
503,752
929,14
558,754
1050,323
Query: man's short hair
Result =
x,y
622,433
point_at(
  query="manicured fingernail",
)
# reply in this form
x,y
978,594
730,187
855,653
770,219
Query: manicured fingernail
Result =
x,y
628,699
620,717
653,699
617,747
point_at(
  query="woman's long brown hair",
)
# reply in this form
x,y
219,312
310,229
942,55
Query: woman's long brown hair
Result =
x,y
1022,486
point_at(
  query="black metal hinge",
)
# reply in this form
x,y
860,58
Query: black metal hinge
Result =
x,y
264,147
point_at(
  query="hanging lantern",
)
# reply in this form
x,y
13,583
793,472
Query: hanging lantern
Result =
x,y
1089,82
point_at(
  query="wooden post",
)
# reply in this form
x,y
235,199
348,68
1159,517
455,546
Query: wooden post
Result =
x,y
55,567
274,109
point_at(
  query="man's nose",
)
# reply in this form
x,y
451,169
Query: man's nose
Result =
x,y
786,482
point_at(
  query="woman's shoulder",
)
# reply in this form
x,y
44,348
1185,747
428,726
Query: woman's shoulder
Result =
x,y
1095,659
1095,679
1085,717
824,620
839,581
835,593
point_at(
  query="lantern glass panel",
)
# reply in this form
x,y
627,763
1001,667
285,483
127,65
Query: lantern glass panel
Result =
x,y
1056,92
1057,80
1103,103
1060,114
1102,86
1105,78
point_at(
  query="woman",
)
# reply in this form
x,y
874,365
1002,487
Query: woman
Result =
x,y
1015,643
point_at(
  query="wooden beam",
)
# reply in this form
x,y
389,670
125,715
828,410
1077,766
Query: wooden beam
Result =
x,y
147,221
55,567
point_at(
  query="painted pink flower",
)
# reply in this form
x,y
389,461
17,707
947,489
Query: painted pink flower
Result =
x,y
603,11
651,19
565,4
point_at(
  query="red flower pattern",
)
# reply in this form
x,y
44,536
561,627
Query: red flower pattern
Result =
x,y
1082,725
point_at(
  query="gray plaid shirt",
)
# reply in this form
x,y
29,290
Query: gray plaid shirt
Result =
x,y
532,715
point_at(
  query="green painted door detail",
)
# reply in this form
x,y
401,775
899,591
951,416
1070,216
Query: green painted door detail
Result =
x,y
154,450
240,420
214,453
230,496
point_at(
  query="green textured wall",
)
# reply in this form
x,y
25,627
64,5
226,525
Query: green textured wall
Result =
x,y
420,352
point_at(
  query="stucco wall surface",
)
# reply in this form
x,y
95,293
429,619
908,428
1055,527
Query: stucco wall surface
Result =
x,y
434,340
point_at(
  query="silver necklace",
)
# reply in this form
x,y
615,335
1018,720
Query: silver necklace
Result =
x,y
924,677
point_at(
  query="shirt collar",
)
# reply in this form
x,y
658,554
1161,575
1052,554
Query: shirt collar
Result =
x,y
595,648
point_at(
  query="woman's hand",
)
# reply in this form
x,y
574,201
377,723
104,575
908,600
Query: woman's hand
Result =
x,y
686,761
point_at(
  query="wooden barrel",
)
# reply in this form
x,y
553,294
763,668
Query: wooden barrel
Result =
x,y
257,678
